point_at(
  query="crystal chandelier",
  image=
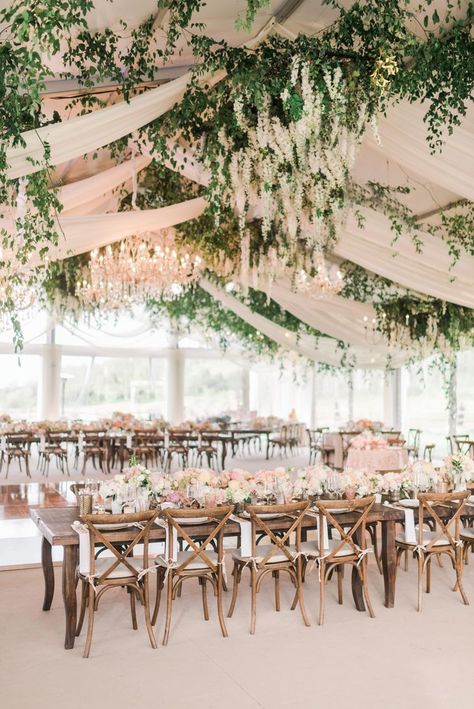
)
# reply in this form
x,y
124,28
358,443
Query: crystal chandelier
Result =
x,y
324,282
143,267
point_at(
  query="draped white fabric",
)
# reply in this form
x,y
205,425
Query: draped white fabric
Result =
x,y
84,134
82,234
427,272
82,193
403,137
333,315
324,350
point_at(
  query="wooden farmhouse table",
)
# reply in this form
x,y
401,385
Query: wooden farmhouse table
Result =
x,y
55,526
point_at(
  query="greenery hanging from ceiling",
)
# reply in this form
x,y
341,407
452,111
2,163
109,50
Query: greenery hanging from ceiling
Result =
x,y
408,319
337,79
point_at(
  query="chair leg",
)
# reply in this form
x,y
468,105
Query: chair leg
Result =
x,y
169,603
159,588
365,587
340,576
83,607
90,624
428,575
459,571
276,576
322,584
220,610
420,581
146,599
236,573
205,607
133,609
253,615
299,591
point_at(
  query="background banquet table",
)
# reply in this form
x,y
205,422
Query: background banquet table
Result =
x,y
377,459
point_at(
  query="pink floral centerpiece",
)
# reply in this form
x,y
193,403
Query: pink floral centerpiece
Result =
x,y
368,441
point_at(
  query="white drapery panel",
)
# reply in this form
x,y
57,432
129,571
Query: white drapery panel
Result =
x,y
332,314
85,134
324,350
403,136
79,194
82,234
426,272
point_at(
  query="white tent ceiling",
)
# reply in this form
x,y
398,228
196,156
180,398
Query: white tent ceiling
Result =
x,y
403,158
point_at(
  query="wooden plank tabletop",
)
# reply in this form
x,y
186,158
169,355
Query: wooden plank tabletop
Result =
x,y
55,524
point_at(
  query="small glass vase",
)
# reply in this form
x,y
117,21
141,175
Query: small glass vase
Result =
x,y
394,496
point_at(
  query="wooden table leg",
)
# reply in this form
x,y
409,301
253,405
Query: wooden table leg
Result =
x,y
48,573
223,454
389,561
69,593
357,591
267,453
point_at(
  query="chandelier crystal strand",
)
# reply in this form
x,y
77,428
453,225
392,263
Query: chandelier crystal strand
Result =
x,y
144,267
325,281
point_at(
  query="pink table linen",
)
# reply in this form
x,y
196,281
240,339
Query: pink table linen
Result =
x,y
377,459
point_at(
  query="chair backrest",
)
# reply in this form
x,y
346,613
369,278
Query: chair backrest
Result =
x,y
414,437
346,438
353,537
143,521
75,487
451,444
315,436
293,512
214,518
462,444
451,529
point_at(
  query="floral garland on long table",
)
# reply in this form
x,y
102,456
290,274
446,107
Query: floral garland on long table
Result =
x,y
196,487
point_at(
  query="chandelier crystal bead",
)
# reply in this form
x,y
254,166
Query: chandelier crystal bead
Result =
x,y
149,266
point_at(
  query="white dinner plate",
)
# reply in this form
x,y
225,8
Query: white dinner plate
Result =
x,y
112,527
192,520
410,503
267,515
470,498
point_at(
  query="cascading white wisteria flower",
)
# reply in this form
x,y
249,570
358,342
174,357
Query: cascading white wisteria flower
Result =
x,y
293,172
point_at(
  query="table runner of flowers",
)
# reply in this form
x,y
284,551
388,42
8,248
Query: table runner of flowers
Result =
x,y
200,486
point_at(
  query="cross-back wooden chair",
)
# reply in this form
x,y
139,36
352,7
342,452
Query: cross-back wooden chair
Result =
x,y
413,441
17,447
278,556
317,446
94,448
444,539
462,443
280,441
346,438
55,447
197,561
350,548
119,570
